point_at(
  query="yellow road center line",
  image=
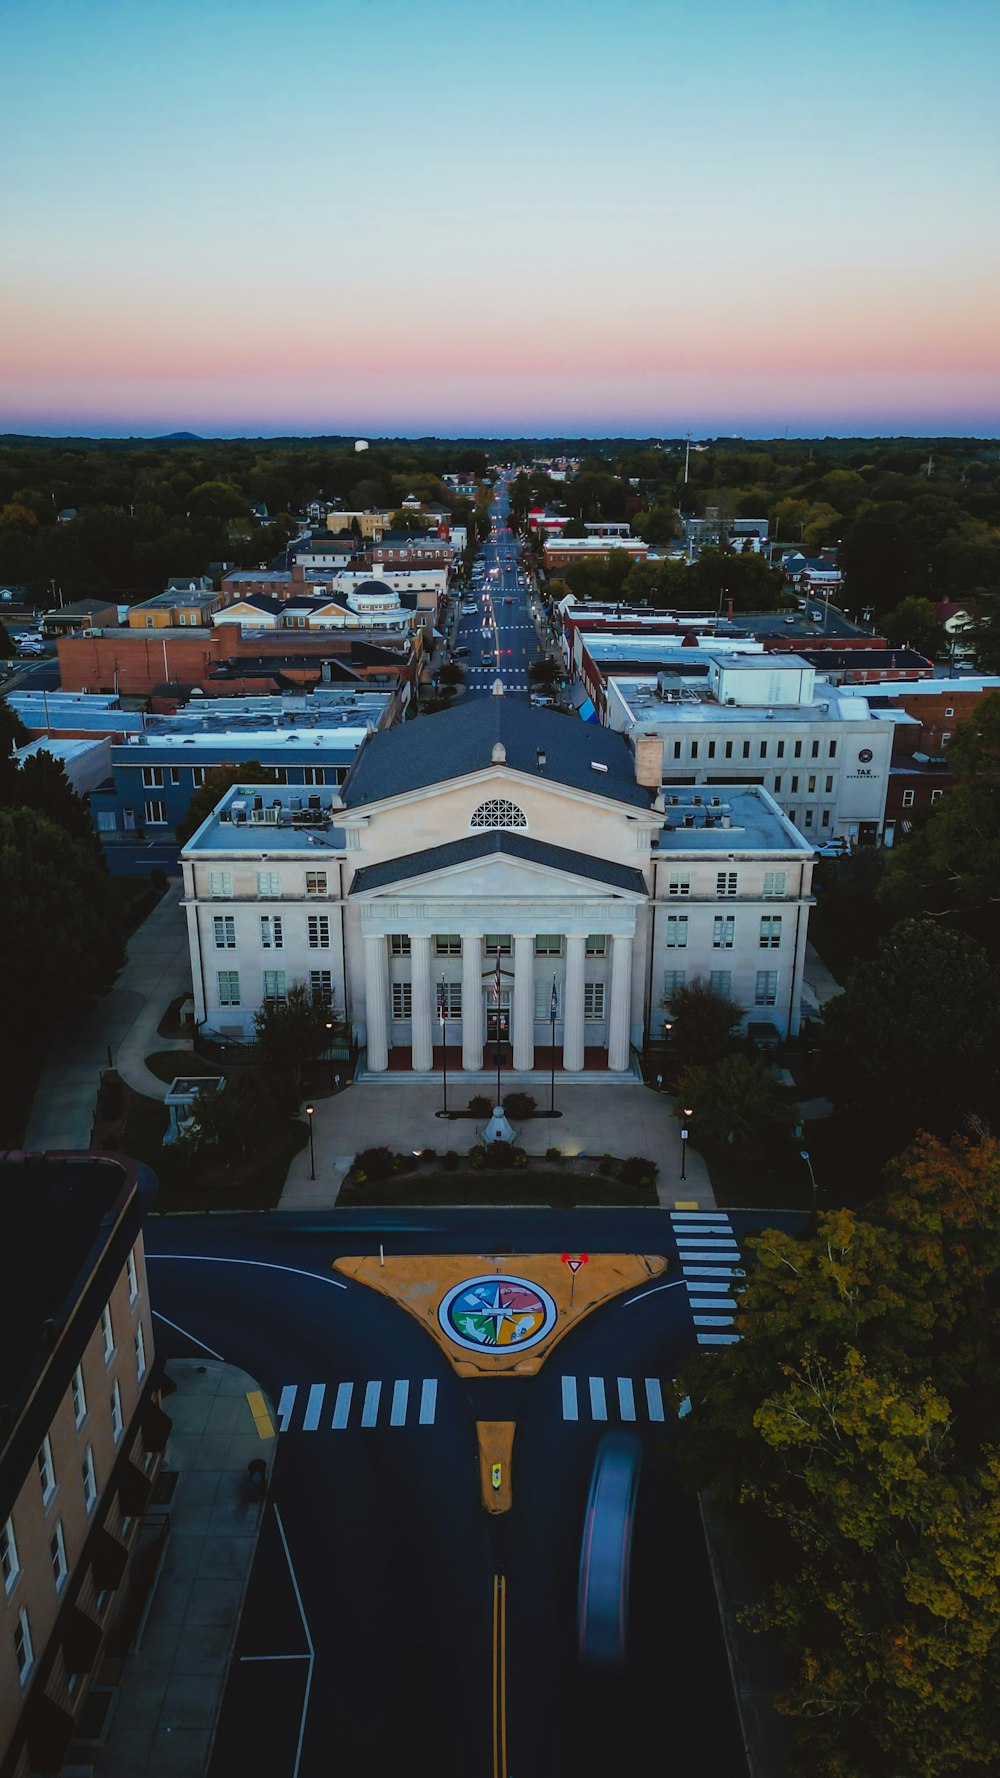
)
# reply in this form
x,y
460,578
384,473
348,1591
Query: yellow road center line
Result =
x,y
503,1676
261,1414
496,1616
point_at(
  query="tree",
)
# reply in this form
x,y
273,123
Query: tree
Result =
x,y
736,1100
45,788
59,901
217,500
658,527
950,867
544,673
702,1025
915,624
238,1119
292,1032
451,675
911,1044
210,794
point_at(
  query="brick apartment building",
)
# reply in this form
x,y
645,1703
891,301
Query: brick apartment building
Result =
x,y
80,1441
133,662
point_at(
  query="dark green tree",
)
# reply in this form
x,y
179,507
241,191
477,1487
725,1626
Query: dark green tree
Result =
x,y
702,1024
291,1033
915,624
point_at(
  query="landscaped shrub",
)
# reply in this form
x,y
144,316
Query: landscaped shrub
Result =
x,y
449,1160
607,1166
500,1155
638,1171
374,1163
480,1105
519,1104
520,1158
477,1158
428,1156
553,1154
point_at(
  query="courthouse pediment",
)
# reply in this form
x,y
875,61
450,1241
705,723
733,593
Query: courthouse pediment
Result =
x,y
500,864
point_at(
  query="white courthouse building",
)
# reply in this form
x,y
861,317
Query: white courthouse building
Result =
x,y
497,844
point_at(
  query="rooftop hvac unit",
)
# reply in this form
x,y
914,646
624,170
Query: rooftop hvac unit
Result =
x,y
295,802
715,802
675,800
697,801
258,803
315,802
689,820
709,820
726,821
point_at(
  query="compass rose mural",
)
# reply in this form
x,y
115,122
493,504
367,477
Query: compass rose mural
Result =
x,y
497,1311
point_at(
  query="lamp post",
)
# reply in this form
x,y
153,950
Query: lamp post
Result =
x,y
329,1045
498,1057
804,1152
310,1114
688,1112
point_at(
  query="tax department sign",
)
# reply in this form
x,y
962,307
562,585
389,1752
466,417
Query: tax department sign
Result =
x,y
497,1312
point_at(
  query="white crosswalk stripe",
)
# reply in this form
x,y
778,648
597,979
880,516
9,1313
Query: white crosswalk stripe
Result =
x,y
612,1398
378,1406
712,1271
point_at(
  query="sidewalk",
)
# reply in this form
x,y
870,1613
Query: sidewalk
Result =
x,y
170,1693
622,1120
755,1667
817,981
124,1022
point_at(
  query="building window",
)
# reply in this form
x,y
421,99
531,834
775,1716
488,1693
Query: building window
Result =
x,y
268,884
950,711
548,944
766,993
721,981
46,1472
763,750
825,818
197,777
402,1000
593,1000
935,794
319,932
677,932
829,785
57,1556
795,785
808,819
175,776
729,749
679,883
780,750
447,944
673,979
116,1412
694,749
89,1479
449,1000
315,882
79,1395
777,786
814,750
321,986
770,932
711,749
22,1645
723,932
271,932
746,750
107,821
229,987
220,883
274,986
775,882
140,1352
597,944
313,775
498,944
399,944
498,812
108,1333
811,784
833,749
726,882
8,1558
152,777
155,814
224,928
133,1277
908,796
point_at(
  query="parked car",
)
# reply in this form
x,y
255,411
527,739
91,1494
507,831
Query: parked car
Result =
x,y
31,648
838,847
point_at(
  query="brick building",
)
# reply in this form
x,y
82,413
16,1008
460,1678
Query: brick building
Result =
x,y
133,662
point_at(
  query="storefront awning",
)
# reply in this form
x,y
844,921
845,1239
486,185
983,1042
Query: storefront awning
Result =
x,y
49,1732
156,1427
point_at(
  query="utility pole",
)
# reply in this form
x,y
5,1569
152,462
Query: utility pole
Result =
x,y
687,458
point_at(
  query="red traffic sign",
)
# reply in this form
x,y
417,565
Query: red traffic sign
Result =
x,y
575,1264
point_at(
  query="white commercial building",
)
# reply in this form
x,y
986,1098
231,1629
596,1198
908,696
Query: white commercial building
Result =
x,y
483,867
765,719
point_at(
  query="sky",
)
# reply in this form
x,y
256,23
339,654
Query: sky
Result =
x,y
610,217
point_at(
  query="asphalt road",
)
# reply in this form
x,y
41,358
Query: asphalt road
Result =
x,y
366,1642
501,637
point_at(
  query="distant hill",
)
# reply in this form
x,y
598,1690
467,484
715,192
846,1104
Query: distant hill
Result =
x,y
178,438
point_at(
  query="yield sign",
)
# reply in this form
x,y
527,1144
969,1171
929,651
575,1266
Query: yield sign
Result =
x,y
575,1264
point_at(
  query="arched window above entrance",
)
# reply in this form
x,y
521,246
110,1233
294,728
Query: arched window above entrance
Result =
x,y
498,812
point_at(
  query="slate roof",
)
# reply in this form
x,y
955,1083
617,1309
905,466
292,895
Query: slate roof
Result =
x,y
487,844
455,743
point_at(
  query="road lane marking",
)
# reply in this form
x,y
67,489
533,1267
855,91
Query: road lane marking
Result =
x,y
654,1398
373,1394
598,1399
570,1404
712,1320
309,1644
428,1401
714,1302
265,1265
342,1406
188,1336
713,1272
260,1413
400,1396
314,1407
674,1282
725,1254
699,1216
626,1398
286,1406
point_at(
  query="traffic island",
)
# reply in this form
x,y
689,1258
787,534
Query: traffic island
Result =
x,y
496,1446
494,1316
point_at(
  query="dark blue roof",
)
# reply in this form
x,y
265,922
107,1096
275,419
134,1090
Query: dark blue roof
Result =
x,y
455,743
483,845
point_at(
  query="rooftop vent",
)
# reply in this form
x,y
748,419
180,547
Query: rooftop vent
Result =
x,y
595,766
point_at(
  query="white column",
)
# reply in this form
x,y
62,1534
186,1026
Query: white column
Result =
x,y
377,1004
197,961
621,1003
472,1002
422,1008
524,1002
576,945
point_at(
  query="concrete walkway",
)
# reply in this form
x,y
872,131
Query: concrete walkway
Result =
x,y
170,1691
117,1032
818,985
623,1120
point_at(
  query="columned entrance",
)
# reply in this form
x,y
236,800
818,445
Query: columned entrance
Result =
x,y
498,1019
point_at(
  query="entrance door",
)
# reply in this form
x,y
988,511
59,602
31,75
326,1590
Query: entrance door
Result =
x,y
498,1018
129,820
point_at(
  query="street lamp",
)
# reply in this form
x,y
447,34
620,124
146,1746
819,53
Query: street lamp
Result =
x,y
310,1114
688,1112
804,1152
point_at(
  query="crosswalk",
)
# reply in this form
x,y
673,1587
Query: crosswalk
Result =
x,y
711,1266
624,1399
341,1407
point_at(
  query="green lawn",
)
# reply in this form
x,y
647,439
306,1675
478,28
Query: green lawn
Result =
x,y
518,1185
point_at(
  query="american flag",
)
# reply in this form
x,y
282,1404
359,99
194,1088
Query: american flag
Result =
x,y
442,1002
496,979
554,1002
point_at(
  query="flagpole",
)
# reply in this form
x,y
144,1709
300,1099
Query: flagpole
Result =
x,y
552,1075
442,1009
